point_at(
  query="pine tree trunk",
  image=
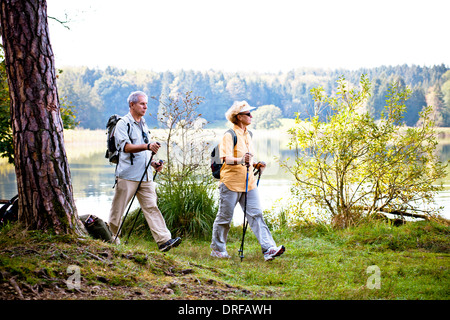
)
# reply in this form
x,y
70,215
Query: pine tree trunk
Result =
x,y
42,170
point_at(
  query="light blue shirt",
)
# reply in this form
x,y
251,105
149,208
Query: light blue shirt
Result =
x,y
126,170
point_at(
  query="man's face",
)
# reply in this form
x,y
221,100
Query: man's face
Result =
x,y
140,107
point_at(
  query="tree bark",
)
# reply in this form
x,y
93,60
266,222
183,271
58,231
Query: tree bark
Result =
x,y
42,170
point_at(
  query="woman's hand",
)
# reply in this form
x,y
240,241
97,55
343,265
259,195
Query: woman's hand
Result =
x,y
247,158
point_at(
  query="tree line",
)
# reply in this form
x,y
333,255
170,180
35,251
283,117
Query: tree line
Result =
x,y
97,93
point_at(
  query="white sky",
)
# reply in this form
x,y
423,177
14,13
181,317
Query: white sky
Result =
x,y
250,35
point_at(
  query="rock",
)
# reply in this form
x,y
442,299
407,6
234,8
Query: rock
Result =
x,y
168,291
187,271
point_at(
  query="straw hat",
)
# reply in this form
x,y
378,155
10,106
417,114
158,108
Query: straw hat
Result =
x,y
236,108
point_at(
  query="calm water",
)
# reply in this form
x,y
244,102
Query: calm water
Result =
x,y
93,176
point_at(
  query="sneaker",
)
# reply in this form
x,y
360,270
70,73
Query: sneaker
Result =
x,y
172,243
221,255
273,252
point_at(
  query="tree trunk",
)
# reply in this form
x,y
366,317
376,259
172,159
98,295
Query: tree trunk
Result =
x,y
42,170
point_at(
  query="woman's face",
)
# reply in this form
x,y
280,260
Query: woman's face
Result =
x,y
245,118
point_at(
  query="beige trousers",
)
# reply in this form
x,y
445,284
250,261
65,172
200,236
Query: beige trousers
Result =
x,y
147,198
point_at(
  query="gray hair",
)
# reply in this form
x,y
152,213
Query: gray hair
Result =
x,y
134,96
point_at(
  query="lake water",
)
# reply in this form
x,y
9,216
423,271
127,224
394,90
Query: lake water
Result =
x,y
93,176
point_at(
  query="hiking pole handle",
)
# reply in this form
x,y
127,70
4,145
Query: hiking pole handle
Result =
x,y
156,172
257,170
243,160
146,168
152,149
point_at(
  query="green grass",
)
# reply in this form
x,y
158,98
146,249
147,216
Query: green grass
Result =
x,y
413,260
319,263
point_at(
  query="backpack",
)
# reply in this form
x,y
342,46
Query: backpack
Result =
x,y
10,211
216,162
112,154
97,228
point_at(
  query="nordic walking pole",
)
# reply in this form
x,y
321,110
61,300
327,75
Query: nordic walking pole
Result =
x,y
259,177
142,178
241,250
139,212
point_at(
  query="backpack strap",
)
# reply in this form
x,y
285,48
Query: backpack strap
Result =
x,y
131,155
128,131
234,136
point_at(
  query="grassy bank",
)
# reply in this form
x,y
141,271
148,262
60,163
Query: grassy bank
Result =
x,y
319,263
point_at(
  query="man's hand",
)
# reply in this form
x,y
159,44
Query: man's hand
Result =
x,y
153,147
158,165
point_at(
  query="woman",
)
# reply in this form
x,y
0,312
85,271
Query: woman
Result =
x,y
232,186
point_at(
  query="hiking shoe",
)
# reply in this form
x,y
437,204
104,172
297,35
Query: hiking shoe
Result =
x,y
172,243
221,255
273,252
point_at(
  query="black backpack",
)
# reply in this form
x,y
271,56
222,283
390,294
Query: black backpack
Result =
x,y
97,228
112,154
10,211
216,162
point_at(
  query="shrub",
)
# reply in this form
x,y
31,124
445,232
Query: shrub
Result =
x,y
352,165
189,205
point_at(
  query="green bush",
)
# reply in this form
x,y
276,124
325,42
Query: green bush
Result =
x,y
189,206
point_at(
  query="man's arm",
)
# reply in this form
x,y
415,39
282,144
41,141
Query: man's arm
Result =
x,y
133,148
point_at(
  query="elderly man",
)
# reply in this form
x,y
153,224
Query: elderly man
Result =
x,y
134,154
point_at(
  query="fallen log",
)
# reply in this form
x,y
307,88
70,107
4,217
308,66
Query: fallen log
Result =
x,y
412,215
403,213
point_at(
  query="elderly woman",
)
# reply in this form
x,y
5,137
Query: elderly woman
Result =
x,y
232,187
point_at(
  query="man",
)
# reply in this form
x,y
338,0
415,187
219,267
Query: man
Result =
x,y
134,153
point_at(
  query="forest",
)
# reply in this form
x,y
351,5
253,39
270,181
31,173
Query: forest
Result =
x,y
95,94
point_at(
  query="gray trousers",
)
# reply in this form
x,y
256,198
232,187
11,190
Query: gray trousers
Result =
x,y
222,223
